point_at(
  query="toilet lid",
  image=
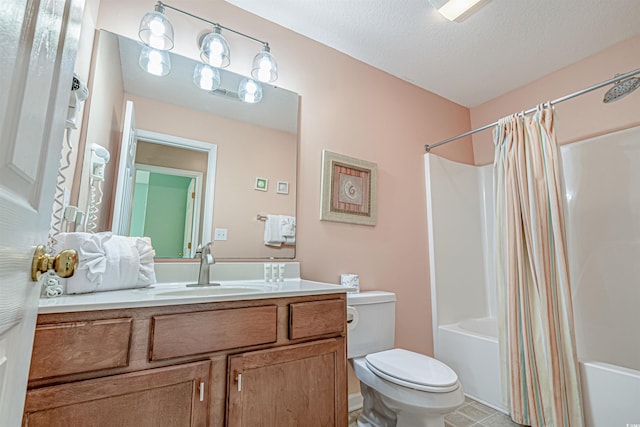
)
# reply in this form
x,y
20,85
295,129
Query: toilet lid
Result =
x,y
413,370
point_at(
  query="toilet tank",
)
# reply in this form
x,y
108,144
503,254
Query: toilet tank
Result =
x,y
372,318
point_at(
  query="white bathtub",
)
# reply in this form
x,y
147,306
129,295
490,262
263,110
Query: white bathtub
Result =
x,y
470,348
611,394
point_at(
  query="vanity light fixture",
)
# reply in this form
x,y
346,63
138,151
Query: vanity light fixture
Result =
x,y
214,49
154,61
457,10
265,67
206,77
155,29
249,91
156,33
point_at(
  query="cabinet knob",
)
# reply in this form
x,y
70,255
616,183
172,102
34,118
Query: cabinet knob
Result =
x,y
64,264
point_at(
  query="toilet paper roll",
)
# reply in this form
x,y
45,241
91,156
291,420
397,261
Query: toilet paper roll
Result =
x,y
352,317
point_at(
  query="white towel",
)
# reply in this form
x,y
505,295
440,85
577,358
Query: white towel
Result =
x,y
279,230
288,229
272,231
107,262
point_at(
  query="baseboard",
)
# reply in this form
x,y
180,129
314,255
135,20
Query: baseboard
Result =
x,y
355,402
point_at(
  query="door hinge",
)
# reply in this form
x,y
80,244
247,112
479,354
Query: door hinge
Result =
x,y
193,195
189,245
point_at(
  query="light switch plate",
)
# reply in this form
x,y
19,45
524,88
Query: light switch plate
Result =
x,y
220,234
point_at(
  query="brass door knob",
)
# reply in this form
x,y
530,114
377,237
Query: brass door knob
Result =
x,y
64,264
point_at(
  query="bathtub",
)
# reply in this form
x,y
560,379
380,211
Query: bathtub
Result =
x,y
610,393
470,348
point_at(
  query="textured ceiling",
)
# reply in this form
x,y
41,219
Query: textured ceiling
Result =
x,y
504,45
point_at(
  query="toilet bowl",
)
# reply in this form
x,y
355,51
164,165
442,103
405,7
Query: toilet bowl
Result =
x,y
399,387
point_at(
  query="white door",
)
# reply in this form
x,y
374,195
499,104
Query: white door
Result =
x,y
126,172
38,45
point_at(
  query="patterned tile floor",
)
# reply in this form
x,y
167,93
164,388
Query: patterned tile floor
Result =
x,y
470,414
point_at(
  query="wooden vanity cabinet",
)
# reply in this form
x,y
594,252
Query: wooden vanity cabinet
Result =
x,y
298,385
162,397
270,362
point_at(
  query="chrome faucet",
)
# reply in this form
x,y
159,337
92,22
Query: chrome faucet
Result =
x,y
206,260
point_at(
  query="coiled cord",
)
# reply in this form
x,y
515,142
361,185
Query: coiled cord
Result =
x,y
93,209
58,202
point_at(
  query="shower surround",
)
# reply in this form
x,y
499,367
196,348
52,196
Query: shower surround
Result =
x,y
602,209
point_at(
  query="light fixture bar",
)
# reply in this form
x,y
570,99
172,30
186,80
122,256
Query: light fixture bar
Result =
x,y
214,24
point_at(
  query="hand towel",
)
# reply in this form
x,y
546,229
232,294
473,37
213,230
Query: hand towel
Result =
x,y
108,262
272,232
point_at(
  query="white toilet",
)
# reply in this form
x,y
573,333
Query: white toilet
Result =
x,y
400,388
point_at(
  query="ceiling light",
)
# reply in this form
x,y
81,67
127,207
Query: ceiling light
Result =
x,y
457,10
155,29
250,91
265,67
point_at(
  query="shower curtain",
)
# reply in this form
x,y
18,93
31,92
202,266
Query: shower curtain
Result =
x,y
537,339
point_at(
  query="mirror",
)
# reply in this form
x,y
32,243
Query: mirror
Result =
x,y
193,161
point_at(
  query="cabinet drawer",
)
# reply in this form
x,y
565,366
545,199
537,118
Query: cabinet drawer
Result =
x,y
308,319
185,334
71,348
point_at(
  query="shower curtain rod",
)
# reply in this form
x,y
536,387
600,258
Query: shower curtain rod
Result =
x,y
428,147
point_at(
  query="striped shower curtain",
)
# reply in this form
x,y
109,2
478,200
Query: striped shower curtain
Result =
x,y
538,350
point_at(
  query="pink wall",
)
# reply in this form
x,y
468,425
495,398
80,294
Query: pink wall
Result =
x,y
352,109
578,118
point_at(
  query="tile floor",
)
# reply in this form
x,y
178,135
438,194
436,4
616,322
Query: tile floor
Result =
x,y
470,414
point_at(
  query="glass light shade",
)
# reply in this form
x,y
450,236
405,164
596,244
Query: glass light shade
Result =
x,y
206,77
250,91
156,31
154,61
214,50
265,67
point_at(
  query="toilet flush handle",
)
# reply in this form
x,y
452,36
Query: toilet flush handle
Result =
x,y
352,317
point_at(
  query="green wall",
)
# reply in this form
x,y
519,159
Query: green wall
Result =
x,y
165,213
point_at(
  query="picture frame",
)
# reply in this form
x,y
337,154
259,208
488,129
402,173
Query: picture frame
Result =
x,y
349,189
262,184
282,187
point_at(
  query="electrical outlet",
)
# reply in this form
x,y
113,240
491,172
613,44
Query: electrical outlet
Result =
x,y
220,234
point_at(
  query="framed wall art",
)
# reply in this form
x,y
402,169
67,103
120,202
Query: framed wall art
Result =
x,y
349,189
282,187
262,184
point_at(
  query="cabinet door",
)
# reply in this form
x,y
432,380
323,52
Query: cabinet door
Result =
x,y
301,385
172,396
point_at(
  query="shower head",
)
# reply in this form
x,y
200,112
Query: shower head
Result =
x,y
621,89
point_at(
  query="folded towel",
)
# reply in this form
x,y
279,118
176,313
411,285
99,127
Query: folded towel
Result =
x,y
288,229
108,262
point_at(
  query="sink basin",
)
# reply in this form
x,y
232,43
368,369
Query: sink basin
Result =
x,y
203,291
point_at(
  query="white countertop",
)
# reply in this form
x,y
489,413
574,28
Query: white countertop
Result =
x,y
162,294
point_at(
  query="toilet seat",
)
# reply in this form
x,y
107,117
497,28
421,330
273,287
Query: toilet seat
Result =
x,y
413,370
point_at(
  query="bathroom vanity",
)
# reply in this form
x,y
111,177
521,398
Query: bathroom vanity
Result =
x,y
176,356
